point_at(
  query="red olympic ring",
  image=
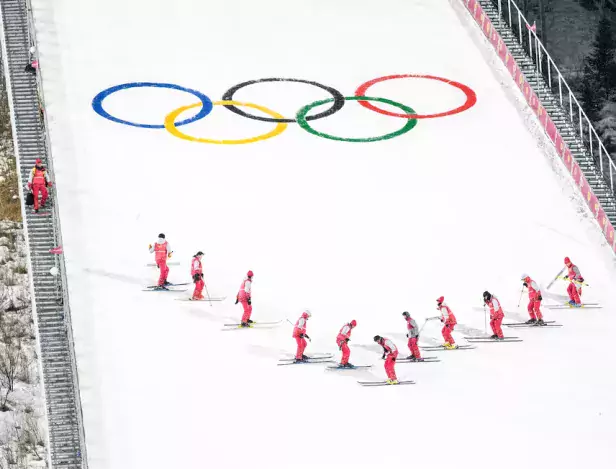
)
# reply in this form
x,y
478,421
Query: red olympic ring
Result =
x,y
471,97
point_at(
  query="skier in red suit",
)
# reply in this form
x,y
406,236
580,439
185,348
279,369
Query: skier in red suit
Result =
x,y
496,314
534,301
449,323
413,336
38,182
300,336
162,251
196,272
244,296
390,353
575,288
342,340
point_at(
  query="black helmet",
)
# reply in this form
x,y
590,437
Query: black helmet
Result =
x,y
377,338
200,253
406,314
162,235
487,296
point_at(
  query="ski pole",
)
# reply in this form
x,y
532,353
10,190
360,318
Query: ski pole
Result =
x,y
207,292
555,278
520,300
422,327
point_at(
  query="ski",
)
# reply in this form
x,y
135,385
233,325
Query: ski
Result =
x,y
487,337
170,285
383,383
441,347
168,290
425,360
305,362
354,367
315,356
485,341
524,324
584,305
252,324
519,326
223,298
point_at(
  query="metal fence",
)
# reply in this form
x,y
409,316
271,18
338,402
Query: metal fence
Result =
x,y
546,68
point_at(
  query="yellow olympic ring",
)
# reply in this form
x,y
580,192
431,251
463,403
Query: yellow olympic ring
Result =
x,y
173,130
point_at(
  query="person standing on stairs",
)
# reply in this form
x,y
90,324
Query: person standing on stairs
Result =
x,y
244,296
575,283
342,340
196,272
496,315
534,301
300,336
38,182
390,353
413,336
162,251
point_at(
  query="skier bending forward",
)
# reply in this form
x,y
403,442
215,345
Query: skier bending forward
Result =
x,y
496,314
390,353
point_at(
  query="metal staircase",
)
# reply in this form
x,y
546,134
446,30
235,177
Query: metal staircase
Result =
x,y
565,122
50,303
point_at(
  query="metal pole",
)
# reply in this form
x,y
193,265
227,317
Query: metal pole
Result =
x,y
581,122
590,129
509,9
570,107
601,157
560,88
520,29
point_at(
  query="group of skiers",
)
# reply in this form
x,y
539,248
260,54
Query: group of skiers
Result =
x,y
162,252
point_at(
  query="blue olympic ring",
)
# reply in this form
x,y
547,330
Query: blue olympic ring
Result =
x,y
97,103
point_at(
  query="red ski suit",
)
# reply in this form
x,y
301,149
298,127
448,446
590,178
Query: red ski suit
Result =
x,y
196,268
343,337
391,353
449,322
534,299
413,335
37,182
161,252
244,296
574,289
299,334
496,316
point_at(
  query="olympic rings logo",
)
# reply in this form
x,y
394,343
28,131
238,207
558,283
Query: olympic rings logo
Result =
x,y
336,102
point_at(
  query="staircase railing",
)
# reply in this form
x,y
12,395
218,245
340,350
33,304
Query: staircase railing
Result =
x,y
545,67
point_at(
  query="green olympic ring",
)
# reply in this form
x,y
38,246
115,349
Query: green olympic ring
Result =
x,y
303,123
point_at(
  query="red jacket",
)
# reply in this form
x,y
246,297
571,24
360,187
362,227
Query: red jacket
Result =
x,y
344,334
496,311
161,251
446,315
195,267
300,325
533,290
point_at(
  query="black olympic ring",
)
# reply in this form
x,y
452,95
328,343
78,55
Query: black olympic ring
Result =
x,y
336,106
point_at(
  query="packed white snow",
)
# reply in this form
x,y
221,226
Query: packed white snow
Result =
x,y
363,231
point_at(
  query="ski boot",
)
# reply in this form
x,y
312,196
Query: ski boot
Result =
x,y
417,359
300,360
531,321
541,322
493,336
305,357
392,381
449,346
347,365
245,324
500,338
411,357
250,321
160,287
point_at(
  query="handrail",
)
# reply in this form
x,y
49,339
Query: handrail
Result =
x,y
591,140
57,232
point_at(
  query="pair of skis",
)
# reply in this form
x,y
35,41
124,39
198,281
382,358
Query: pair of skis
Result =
x,y
316,358
567,306
234,326
445,349
533,324
170,287
484,339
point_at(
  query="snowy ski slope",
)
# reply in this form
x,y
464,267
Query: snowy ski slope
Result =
x,y
457,205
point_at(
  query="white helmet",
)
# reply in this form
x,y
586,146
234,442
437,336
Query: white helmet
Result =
x,y
307,313
523,277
